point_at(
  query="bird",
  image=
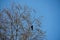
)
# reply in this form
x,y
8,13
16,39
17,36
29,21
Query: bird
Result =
x,y
31,27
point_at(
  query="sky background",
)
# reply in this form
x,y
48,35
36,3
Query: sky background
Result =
x,y
50,9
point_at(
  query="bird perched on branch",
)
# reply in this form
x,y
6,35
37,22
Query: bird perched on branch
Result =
x,y
32,27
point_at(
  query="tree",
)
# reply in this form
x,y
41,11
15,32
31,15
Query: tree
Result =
x,y
16,24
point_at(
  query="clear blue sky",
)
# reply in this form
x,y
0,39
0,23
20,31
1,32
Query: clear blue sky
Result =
x,y
47,8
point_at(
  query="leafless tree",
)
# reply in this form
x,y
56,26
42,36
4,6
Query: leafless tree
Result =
x,y
16,24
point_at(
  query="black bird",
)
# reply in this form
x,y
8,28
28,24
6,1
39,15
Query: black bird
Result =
x,y
32,27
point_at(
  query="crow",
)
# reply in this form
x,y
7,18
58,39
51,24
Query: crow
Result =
x,y
32,27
